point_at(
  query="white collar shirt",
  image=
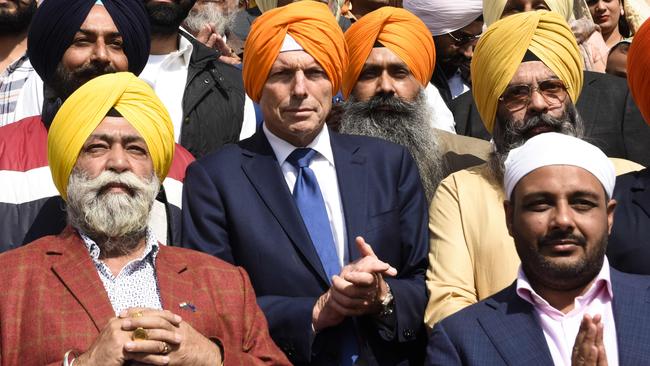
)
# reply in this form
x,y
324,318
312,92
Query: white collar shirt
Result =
x,y
325,170
560,330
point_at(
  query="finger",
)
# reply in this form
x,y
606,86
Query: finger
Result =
x,y
211,41
204,34
600,344
579,351
365,250
361,279
162,335
230,60
340,285
349,303
148,358
370,265
149,346
148,322
141,312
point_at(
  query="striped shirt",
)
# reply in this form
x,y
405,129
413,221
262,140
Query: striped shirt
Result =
x,y
12,81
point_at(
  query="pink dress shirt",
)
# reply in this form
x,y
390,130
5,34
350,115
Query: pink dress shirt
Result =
x,y
560,330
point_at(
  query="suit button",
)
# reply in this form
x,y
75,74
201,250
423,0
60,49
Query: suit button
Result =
x,y
206,81
186,120
408,333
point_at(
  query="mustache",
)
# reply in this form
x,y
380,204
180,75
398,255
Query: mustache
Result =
x,y
388,102
108,179
91,70
562,235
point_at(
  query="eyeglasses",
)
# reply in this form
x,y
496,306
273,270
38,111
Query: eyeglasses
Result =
x,y
464,39
517,97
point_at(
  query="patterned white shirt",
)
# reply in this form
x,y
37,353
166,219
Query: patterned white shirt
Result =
x,y
136,285
12,81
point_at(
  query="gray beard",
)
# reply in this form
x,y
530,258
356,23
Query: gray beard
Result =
x,y
509,135
211,13
117,222
406,124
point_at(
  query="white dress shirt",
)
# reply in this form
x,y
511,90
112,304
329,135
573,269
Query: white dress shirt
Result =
x,y
167,75
560,330
323,166
457,85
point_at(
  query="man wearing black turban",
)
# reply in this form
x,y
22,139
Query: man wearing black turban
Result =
x,y
69,43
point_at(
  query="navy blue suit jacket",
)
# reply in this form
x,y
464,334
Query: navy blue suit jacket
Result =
x,y
629,242
237,206
503,329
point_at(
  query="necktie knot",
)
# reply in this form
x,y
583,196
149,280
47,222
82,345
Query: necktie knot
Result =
x,y
300,158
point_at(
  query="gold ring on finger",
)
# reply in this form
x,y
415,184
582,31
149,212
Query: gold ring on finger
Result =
x,y
137,314
166,348
140,334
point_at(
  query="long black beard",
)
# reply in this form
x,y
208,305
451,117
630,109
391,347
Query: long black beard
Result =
x,y
166,18
509,135
19,22
401,122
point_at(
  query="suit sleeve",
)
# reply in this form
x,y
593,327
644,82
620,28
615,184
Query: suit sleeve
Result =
x,y
450,276
441,351
204,219
408,287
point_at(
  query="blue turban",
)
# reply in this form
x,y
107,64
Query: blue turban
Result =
x,y
57,21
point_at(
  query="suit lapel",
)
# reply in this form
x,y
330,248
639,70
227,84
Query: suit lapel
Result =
x,y
77,272
175,289
352,177
514,330
264,173
630,307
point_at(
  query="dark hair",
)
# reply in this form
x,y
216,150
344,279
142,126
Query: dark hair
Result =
x,y
113,113
623,26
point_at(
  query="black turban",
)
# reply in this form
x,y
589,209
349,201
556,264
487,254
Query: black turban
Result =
x,y
57,21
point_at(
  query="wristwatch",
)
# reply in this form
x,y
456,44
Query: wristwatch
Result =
x,y
387,303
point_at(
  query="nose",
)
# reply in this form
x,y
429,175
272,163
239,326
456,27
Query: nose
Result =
x,y
468,49
385,84
537,102
118,159
100,52
600,6
299,87
563,217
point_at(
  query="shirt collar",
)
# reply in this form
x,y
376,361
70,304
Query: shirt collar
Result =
x,y
184,52
283,149
151,247
527,293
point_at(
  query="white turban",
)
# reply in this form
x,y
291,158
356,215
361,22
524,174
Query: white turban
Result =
x,y
553,148
445,16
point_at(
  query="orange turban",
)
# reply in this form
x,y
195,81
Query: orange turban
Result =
x,y
399,30
638,62
312,25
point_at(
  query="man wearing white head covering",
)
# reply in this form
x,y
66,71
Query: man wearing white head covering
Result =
x,y
559,310
455,26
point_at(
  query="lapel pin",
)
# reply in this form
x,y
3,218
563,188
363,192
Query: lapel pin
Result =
x,y
187,306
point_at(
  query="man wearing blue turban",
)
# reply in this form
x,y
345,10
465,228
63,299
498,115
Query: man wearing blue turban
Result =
x,y
69,43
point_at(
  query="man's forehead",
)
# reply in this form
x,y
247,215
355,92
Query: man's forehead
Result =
x,y
115,127
560,180
295,59
99,20
531,71
383,56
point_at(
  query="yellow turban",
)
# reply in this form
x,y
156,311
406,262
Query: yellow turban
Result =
x,y
500,51
85,109
638,63
493,9
312,25
399,30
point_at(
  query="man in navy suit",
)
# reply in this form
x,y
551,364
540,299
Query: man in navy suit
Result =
x,y
567,306
340,278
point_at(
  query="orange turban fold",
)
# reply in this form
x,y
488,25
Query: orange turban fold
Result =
x,y
638,63
399,30
312,25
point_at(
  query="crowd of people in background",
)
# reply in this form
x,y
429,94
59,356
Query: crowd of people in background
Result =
x,y
335,183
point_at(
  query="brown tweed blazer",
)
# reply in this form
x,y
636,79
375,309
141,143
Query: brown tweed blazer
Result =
x,y
52,300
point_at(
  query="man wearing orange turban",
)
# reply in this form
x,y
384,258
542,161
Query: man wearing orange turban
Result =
x,y
330,227
115,295
527,74
392,56
629,241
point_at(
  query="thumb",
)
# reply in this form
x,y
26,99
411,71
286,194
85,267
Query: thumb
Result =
x,y
364,248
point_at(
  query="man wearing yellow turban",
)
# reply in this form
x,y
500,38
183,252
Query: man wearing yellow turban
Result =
x,y
330,227
612,120
110,145
392,56
527,75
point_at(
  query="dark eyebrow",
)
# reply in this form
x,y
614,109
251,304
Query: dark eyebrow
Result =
x,y
89,32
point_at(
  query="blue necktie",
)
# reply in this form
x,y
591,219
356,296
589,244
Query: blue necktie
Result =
x,y
310,202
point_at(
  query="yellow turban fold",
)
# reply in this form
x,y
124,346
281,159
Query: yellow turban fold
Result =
x,y
638,63
500,51
312,25
398,30
85,109
493,9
